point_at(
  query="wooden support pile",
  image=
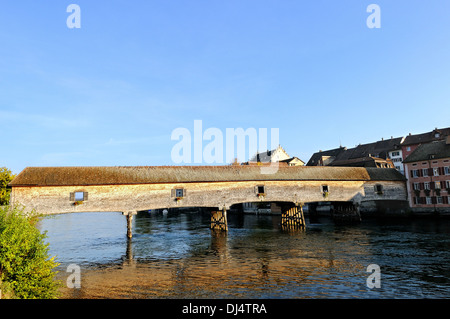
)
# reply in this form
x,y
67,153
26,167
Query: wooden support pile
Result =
x,y
293,218
219,220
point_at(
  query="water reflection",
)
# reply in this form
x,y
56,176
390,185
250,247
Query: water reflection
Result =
x,y
177,255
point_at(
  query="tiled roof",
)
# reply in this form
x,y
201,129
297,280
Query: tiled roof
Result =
x,y
426,137
427,151
316,156
376,149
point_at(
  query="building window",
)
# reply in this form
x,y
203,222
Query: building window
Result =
x,y
416,186
447,184
424,172
436,171
395,154
437,185
426,185
428,200
416,200
447,170
408,148
415,173
439,200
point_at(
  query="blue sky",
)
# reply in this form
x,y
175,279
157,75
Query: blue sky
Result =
x,y
111,92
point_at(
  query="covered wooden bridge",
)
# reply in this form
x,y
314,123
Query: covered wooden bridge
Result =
x,y
128,189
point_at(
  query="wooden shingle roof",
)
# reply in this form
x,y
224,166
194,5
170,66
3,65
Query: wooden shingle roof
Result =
x,y
117,175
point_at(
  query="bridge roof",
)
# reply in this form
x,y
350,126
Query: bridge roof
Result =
x,y
72,176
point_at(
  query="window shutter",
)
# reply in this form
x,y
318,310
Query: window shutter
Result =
x,y
85,196
421,186
441,171
173,192
184,192
445,199
72,197
433,200
412,173
256,189
442,184
432,185
430,172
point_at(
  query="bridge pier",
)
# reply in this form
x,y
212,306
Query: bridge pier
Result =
x,y
219,220
292,218
129,216
345,213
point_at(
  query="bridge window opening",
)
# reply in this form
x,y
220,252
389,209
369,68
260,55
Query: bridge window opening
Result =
x,y
78,196
325,189
260,189
179,192
379,189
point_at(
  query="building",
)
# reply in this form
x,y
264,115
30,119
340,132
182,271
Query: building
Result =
x,y
323,158
396,156
367,161
428,171
411,142
382,154
277,155
293,161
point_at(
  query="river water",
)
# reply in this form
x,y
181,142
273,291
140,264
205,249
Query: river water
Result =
x,y
175,255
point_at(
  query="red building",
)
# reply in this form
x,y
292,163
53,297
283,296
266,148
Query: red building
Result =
x,y
428,172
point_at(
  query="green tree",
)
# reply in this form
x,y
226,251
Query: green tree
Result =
x,y
6,176
26,270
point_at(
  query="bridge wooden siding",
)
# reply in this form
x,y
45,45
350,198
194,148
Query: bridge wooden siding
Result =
x,y
50,190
